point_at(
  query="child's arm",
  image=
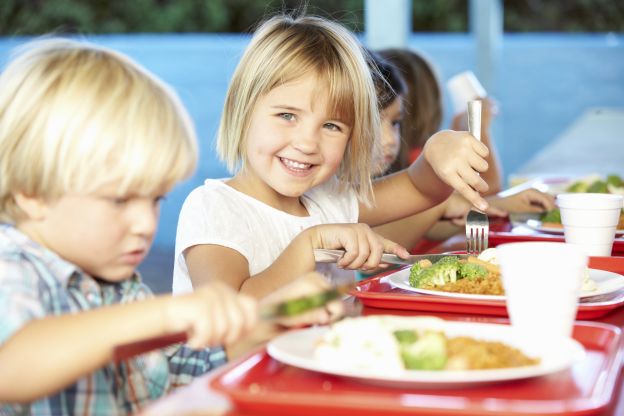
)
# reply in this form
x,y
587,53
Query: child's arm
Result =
x,y
206,262
449,160
303,286
59,350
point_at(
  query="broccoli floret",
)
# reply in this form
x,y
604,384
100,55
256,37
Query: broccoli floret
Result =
x,y
450,260
427,352
405,336
615,180
438,274
578,186
599,187
471,271
553,216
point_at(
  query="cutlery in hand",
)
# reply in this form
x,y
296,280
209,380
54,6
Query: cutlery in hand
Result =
x,y
477,223
322,255
289,308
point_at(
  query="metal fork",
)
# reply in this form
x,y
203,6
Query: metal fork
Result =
x,y
477,223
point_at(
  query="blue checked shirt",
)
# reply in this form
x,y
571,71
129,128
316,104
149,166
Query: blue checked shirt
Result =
x,y
35,283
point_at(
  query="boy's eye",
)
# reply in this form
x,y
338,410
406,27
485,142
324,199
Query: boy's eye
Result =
x,y
287,116
120,200
159,199
397,123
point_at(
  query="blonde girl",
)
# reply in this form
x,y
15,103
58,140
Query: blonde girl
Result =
x,y
299,129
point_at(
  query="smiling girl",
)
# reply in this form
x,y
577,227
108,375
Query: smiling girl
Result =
x,y
299,130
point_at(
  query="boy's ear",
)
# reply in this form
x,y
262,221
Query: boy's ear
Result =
x,y
33,207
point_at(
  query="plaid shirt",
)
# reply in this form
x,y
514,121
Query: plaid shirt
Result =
x,y
35,283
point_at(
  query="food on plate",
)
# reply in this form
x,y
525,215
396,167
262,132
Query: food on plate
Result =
x,y
452,274
474,275
394,344
612,184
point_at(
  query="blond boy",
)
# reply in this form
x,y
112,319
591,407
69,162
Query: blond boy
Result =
x,y
90,142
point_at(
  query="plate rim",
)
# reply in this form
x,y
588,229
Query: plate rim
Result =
x,y
454,295
436,378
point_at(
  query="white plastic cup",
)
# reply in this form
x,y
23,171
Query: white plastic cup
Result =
x,y
590,220
542,282
462,88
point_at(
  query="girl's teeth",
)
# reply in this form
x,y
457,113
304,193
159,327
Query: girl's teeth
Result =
x,y
297,165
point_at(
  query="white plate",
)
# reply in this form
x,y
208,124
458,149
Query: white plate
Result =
x,y
606,282
537,225
296,348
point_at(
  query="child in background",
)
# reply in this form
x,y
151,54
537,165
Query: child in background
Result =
x,y
299,126
391,91
423,113
90,142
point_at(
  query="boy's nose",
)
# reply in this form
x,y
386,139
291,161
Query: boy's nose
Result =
x,y
145,219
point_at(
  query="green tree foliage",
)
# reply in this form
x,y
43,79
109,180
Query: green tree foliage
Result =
x,y
31,17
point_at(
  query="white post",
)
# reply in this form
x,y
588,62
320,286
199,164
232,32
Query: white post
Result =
x,y
486,24
388,23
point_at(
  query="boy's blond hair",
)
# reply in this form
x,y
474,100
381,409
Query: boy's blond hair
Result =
x,y
75,116
285,48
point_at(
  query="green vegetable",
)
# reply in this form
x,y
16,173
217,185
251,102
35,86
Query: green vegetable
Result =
x,y
426,352
471,271
296,306
578,186
598,187
615,180
553,216
405,336
438,274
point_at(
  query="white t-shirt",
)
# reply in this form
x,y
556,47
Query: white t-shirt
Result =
x,y
216,213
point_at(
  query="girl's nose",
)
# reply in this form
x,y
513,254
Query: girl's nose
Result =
x,y
306,140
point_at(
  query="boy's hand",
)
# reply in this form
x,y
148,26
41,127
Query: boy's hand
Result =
x,y
213,314
458,158
306,285
363,247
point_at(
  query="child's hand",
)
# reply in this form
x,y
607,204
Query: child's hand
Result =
x,y
529,200
213,314
457,158
363,247
456,208
306,285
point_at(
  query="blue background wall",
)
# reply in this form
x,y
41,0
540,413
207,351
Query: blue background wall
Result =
x,y
543,83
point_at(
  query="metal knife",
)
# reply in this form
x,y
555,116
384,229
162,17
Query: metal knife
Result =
x,y
288,308
322,255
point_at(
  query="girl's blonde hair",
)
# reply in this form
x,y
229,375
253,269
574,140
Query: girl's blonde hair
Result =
x,y
285,48
74,116
422,104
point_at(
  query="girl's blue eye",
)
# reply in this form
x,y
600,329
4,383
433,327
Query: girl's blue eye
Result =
x,y
332,127
287,116
397,123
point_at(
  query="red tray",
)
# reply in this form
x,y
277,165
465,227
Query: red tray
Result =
x,y
259,385
378,293
502,231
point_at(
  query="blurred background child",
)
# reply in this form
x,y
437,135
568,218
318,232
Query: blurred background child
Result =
x,y
298,129
90,143
393,93
422,105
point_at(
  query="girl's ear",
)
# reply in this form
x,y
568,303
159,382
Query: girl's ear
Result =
x,y
33,207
